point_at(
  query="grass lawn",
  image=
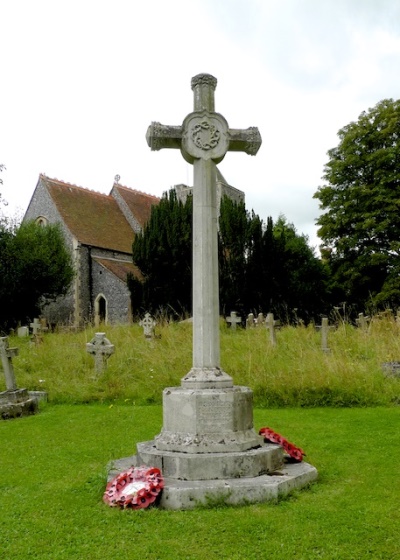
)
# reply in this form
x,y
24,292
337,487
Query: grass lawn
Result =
x,y
52,477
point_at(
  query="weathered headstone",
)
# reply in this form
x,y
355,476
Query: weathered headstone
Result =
x,y
270,324
250,321
234,320
23,331
101,349
207,446
363,321
148,324
14,402
260,320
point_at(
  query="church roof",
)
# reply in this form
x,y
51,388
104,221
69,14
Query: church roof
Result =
x,y
120,269
139,203
95,219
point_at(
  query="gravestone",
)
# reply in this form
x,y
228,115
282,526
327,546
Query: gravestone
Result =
x,y
233,319
363,321
208,448
148,324
14,402
36,326
101,349
23,331
250,321
324,328
260,320
270,324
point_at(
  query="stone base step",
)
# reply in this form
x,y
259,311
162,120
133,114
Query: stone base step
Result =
x,y
209,466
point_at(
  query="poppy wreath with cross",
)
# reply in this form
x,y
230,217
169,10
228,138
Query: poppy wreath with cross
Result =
x,y
272,437
136,488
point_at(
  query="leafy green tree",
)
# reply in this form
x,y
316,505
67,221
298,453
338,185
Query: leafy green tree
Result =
x,y
300,277
35,267
360,226
163,253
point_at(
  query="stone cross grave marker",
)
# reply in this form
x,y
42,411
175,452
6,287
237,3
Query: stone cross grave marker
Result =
x,y
250,322
233,319
270,324
204,138
7,355
36,326
101,349
324,328
148,324
13,402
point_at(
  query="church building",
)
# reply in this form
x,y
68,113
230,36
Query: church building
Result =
x,y
99,230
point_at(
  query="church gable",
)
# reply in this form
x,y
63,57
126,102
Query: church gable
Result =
x,y
93,218
135,205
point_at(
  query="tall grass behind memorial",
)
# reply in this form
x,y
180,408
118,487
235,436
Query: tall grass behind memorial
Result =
x,y
295,372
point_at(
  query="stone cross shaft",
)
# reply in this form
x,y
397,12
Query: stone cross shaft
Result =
x,y
101,349
7,355
204,138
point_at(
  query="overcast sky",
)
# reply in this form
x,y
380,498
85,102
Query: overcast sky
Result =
x,y
81,80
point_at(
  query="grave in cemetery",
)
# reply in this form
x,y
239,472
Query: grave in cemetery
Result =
x,y
101,349
149,325
260,320
14,402
271,324
207,448
324,327
233,320
250,321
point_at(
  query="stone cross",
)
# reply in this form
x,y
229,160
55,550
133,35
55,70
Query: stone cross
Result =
x,y
101,349
250,323
270,324
36,326
7,355
204,138
324,328
148,324
233,319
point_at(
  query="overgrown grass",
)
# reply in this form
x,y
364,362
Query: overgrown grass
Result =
x,y
296,372
53,477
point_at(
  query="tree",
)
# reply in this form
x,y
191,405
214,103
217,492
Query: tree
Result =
x,y
35,268
163,253
360,227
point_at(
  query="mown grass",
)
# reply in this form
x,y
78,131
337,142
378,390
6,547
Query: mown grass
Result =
x,y
53,477
296,372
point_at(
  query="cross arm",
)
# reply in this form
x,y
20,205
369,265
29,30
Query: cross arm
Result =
x,y
160,136
245,140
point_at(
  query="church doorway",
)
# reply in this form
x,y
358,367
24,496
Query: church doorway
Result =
x,y
100,310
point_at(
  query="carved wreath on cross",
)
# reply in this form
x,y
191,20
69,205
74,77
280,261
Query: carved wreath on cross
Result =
x,y
205,135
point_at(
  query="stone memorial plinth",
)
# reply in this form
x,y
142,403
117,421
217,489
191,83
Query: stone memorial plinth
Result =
x,y
208,448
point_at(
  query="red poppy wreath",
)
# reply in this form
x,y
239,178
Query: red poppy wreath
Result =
x,y
294,452
136,488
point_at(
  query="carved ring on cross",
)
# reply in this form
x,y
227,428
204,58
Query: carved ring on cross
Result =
x,y
205,136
